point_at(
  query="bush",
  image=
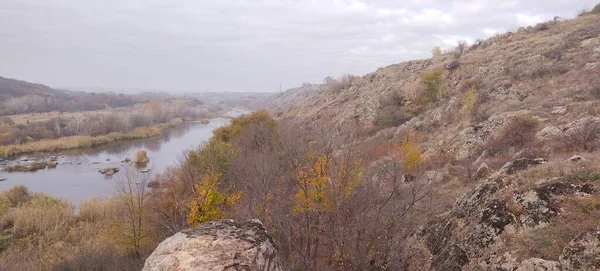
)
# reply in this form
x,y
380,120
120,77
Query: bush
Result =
x,y
17,195
345,82
460,49
518,134
436,51
584,175
233,130
582,137
432,83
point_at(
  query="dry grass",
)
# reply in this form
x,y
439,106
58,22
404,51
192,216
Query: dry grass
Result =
x,y
579,215
45,233
98,209
39,215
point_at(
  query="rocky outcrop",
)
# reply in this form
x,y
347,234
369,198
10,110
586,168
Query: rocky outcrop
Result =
x,y
468,238
218,245
582,253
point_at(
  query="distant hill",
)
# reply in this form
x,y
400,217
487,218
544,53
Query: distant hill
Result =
x,y
18,96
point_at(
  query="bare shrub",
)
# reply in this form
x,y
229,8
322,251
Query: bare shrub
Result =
x,y
460,49
582,137
345,82
545,70
519,133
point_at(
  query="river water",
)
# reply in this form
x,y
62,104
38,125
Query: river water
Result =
x,y
77,178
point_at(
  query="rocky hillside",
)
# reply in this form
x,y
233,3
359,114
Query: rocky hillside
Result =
x,y
510,132
547,72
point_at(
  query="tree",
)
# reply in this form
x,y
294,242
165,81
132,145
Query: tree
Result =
x,y
461,48
209,202
131,234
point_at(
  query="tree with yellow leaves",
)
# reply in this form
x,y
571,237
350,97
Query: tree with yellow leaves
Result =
x,y
209,203
411,157
325,188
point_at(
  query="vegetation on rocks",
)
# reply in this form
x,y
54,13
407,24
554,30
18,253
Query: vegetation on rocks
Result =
x,y
141,158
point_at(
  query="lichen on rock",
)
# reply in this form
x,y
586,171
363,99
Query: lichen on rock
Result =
x,y
217,245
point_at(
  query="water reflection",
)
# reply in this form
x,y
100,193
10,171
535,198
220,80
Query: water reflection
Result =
x,y
77,177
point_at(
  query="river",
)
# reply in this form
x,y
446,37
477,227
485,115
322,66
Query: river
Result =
x,y
77,178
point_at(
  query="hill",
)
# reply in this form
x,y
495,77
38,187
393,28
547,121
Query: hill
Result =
x,y
23,97
509,130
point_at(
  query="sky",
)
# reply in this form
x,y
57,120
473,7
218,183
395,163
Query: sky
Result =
x,y
240,45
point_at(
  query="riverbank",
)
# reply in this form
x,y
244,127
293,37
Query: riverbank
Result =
x,y
73,142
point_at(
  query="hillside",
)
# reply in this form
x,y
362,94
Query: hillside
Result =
x,y
509,129
23,97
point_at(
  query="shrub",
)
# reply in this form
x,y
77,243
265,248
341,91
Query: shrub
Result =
x,y
583,137
17,195
432,83
460,49
436,51
233,130
141,157
517,134
345,82
584,175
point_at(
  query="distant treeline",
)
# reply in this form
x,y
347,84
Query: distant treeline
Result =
x,y
18,97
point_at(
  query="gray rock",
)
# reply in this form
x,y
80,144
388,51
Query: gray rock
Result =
x,y
582,253
576,158
217,245
521,164
452,65
536,264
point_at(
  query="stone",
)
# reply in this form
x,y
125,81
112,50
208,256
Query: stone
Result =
x,y
582,253
452,65
536,264
521,164
576,158
217,245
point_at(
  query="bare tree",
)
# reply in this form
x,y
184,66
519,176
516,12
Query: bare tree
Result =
x,y
131,192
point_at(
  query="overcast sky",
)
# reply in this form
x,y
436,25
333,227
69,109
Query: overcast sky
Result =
x,y
252,45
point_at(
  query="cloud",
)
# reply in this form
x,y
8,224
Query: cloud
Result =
x,y
240,45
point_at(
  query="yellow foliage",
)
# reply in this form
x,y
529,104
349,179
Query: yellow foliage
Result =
x,y
432,84
209,203
436,51
411,155
229,132
312,194
470,99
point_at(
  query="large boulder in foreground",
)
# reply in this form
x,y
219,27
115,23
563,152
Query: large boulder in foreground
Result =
x,y
217,245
